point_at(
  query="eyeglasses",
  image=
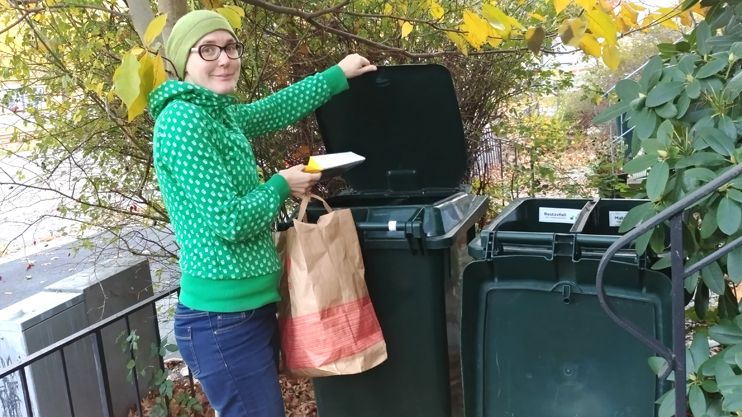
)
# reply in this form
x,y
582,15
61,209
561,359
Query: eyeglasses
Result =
x,y
210,52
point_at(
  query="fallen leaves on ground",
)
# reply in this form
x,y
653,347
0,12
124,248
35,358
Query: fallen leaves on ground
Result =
x,y
298,396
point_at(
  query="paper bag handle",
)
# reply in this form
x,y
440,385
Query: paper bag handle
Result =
x,y
305,202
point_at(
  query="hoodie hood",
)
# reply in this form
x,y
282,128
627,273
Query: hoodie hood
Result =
x,y
179,90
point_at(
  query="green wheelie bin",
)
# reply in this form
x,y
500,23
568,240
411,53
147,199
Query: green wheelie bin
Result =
x,y
535,340
410,211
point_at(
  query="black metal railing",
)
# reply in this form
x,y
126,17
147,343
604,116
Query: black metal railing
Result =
x,y
675,357
100,359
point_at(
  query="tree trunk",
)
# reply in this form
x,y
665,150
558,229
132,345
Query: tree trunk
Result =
x,y
141,14
174,9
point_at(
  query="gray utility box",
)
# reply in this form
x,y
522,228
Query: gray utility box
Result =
x,y
62,309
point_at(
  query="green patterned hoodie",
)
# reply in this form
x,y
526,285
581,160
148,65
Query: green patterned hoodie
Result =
x,y
218,207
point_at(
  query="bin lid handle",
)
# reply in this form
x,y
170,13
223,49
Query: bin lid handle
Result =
x,y
579,225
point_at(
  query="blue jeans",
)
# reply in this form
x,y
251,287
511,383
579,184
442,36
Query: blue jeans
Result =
x,y
235,357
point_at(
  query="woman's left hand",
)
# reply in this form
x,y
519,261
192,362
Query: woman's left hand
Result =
x,y
300,182
354,65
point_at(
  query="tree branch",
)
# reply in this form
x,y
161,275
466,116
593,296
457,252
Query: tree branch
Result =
x,y
433,24
19,20
141,14
660,20
88,6
296,12
27,12
79,201
174,10
311,19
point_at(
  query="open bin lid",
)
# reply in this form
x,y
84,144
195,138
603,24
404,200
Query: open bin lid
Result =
x,y
405,120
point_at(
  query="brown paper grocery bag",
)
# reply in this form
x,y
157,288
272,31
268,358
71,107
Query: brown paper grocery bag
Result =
x,y
327,322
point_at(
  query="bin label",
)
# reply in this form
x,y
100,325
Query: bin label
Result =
x,y
615,218
557,215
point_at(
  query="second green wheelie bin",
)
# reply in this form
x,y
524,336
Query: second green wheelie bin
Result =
x,y
535,340
410,210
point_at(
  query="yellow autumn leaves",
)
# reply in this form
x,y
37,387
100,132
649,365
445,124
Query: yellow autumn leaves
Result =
x,y
490,27
406,27
606,22
595,29
140,71
136,77
233,14
598,24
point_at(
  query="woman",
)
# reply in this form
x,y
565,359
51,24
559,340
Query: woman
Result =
x,y
225,322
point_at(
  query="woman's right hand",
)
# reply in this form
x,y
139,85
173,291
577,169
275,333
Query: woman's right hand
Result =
x,y
300,182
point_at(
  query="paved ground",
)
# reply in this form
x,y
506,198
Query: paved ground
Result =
x,y
22,276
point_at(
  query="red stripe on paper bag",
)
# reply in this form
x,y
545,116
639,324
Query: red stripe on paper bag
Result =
x,y
321,338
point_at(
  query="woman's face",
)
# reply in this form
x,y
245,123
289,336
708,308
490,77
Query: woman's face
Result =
x,y
220,75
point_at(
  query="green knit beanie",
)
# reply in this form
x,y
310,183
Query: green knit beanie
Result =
x,y
188,30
